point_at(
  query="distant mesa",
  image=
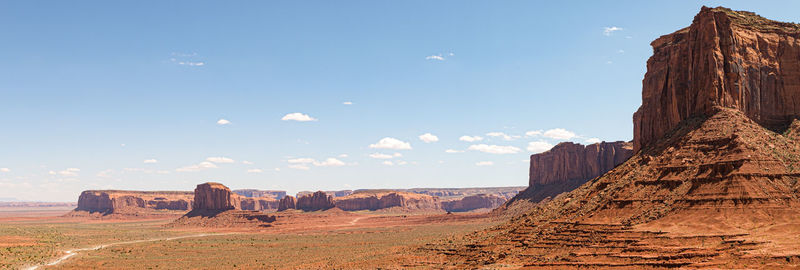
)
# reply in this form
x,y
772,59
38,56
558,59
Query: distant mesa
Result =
x,y
106,202
314,202
256,193
287,202
473,202
398,200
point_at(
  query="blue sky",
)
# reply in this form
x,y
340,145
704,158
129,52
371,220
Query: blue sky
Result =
x,y
111,95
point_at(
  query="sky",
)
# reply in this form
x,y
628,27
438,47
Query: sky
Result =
x,y
315,95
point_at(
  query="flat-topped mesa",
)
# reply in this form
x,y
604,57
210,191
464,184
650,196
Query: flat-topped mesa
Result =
x,y
132,202
473,202
214,197
733,59
257,193
317,201
375,200
571,161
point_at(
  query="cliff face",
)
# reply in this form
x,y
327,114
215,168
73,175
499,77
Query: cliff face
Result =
x,y
121,201
726,58
214,197
384,200
473,202
570,161
258,204
287,202
317,201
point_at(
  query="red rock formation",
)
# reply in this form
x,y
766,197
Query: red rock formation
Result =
x,y
317,201
121,201
473,202
569,161
214,197
725,58
258,204
383,200
256,193
287,202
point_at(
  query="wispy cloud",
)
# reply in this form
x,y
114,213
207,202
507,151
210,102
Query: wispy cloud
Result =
x,y
608,31
539,146
435,57
484,163
300,117
150,161
428,138
304,163
494,149
391,143
255,171
5,170
69,172
559,134
186,59
453,151
223,122
197,167
470,138
247,162
347,103
502,135
220,160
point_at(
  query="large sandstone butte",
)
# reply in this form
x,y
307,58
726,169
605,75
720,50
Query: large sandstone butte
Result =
x,y
317,201
385,200
726,58
568,165
214,197
132,202
718,190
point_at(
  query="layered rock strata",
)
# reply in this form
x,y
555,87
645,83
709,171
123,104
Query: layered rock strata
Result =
x,y
123,201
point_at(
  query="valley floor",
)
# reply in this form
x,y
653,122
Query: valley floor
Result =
x,y
296,240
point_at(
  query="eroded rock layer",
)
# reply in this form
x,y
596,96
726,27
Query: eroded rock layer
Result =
x,y
286,203
473,202
383,200
316,201
726,58
123,201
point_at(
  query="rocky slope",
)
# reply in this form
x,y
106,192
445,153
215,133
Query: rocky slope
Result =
x,y
384,200
726,58
122,201
715,190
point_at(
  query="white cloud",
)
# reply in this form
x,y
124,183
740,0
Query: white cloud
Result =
x,y
428,138
5,170
301,160
559,134
298,117
223,122
277,169
51,173
187,63
150,161
70,172
299,167
380,156
592,140
197,167
494,149
452,151
343,155
330,162
607,31
502,135
388,163
621,51
255,171
470,138
391,143
434,57
484,163
220,160
402,162
538,147
347,103
247,162
533,133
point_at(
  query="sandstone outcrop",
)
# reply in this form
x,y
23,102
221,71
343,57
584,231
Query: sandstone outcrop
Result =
x,y
708,175
214,197
332,193
383,200
127,202
726,58
258,204
287,202
473,202
317,201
